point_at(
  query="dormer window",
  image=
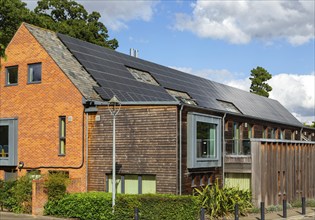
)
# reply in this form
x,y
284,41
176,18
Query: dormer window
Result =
x,y
11,76
181,96
35,73
142,76
229,106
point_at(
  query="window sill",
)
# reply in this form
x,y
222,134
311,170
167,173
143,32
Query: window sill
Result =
x,y
38,82
8,85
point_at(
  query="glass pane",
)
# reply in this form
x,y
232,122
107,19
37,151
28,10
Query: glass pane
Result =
x,y
206,140
12,75
62,129
4,141
35,72
118,183
148,184
131,184
62,147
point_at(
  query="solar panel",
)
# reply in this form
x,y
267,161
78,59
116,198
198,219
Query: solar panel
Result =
x,y
109,69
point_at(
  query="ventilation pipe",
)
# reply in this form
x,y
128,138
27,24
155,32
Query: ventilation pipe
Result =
x,y
134,52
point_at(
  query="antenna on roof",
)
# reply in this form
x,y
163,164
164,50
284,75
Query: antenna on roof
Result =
x,y
134,52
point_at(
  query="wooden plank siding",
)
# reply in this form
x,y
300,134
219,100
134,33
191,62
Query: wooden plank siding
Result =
x,y
193,178
282,170
146,143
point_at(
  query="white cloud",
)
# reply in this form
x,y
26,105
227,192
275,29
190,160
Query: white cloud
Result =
x,y
241,21
295,92
115,14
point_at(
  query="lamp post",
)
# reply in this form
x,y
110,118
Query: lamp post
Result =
x,y
114,107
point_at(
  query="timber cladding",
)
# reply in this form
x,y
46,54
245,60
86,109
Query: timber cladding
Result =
x,y
282,170
146,143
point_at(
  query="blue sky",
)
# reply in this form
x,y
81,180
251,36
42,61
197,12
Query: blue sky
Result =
x,y
223,41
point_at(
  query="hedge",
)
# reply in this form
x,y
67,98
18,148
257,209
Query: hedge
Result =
x,y
98,205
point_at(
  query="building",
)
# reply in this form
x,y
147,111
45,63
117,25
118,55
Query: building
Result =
x,y
174,131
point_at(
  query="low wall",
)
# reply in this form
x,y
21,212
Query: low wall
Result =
x,y
39,195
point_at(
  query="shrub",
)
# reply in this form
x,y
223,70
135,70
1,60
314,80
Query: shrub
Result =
x,y
7,200
56,185
16,195
220,202
98,205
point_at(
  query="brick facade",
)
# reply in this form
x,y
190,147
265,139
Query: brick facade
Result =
x,y
38,107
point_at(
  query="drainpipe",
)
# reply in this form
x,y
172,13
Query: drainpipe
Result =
x,y
301,133
223,143
180,149
87,148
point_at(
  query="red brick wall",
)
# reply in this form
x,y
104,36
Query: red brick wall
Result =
x,y
38,107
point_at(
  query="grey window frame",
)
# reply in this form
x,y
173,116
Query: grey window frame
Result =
x,y
12,160
192,160
28,73
62,138
7,76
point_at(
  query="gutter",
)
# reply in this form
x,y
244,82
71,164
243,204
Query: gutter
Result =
x,y
223,150
180,149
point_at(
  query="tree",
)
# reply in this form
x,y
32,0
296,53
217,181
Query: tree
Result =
x,y
12,14
259,76
69,17
63,16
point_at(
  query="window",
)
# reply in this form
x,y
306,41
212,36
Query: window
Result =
x,y
132,184
11,75
181,96
35,73
4,141
142,76
229,106
203,141
62,135
206,140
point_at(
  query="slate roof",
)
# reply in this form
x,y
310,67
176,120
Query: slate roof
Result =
x,y
66,62
105,71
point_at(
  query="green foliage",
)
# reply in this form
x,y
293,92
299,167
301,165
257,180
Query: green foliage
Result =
x,y
63,16
7,200
98,205
298,203
259,76
56,185
16,195
71,18
221,201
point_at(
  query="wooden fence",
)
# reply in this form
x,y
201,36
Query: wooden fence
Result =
x,y
282,169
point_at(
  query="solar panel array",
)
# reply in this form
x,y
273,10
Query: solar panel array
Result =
x,y
109,69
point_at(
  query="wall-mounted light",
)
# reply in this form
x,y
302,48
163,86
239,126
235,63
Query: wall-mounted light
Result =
x,y
245,125
21,165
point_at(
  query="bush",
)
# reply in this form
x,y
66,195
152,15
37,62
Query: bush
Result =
x,y
16,195
98,205
220,202
56,185
7,200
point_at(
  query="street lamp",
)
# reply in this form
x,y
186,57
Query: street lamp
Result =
x,y
114,107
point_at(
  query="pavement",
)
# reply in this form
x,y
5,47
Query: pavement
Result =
x,y
292,214
13,216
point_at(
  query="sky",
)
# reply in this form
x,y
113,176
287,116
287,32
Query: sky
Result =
x,y
223,41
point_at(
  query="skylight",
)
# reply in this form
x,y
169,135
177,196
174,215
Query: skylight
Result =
x,y
229,106
181,96
142,76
